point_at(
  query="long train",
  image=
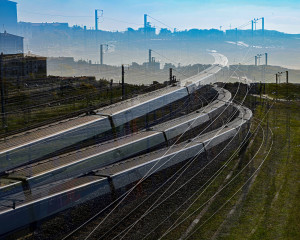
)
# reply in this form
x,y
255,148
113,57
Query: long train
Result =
x,y
44,201
103,154
38,190
26,147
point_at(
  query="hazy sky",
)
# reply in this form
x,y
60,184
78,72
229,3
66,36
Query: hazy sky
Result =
x,y
181,14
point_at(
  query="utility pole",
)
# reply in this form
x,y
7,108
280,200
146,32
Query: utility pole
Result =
x,y
267,116
276,84
263,26
150,55
278,76
287,85
171,76
2,92
259,57
174,79
96,19
101,54
236,36
111,91
123,83
260,90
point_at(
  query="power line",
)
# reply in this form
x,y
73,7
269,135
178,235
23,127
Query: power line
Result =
x,y
58,15
160,22
121,198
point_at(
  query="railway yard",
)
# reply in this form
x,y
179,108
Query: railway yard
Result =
x,y
175,163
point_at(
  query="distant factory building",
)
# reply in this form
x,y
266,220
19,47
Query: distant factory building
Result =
x,y
10,44
61,60
43,26
8,16
29,29
23,66
147,29
152,64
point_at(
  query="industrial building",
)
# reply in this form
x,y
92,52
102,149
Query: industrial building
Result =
x,y
10,44
23,66
148,29
152,64
8,16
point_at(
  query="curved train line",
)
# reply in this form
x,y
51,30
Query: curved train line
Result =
x,y
100,155
42,189
107,180
135,185
26,147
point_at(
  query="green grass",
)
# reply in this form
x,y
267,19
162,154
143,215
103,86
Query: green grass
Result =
x,y
267,73
18,118
270,208
283,91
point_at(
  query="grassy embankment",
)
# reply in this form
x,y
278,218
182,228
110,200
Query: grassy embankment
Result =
x,y
267,206
27,111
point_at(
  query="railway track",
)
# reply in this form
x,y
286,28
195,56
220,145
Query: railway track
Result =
x,y
28,146
31,191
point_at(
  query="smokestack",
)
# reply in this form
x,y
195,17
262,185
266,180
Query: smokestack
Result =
x,y
150,58
145,21
266,55
255,60
263,25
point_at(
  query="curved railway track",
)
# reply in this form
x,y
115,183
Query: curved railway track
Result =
x,y
26,147
32,191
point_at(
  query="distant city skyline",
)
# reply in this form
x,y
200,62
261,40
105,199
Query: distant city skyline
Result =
x,y
118,15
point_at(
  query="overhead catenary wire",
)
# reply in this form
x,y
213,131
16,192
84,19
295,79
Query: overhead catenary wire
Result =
x,y
224,166
100,223
141,180
121,197
228,200
160,22
183,172
81,16
212,179
155,206
227,184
